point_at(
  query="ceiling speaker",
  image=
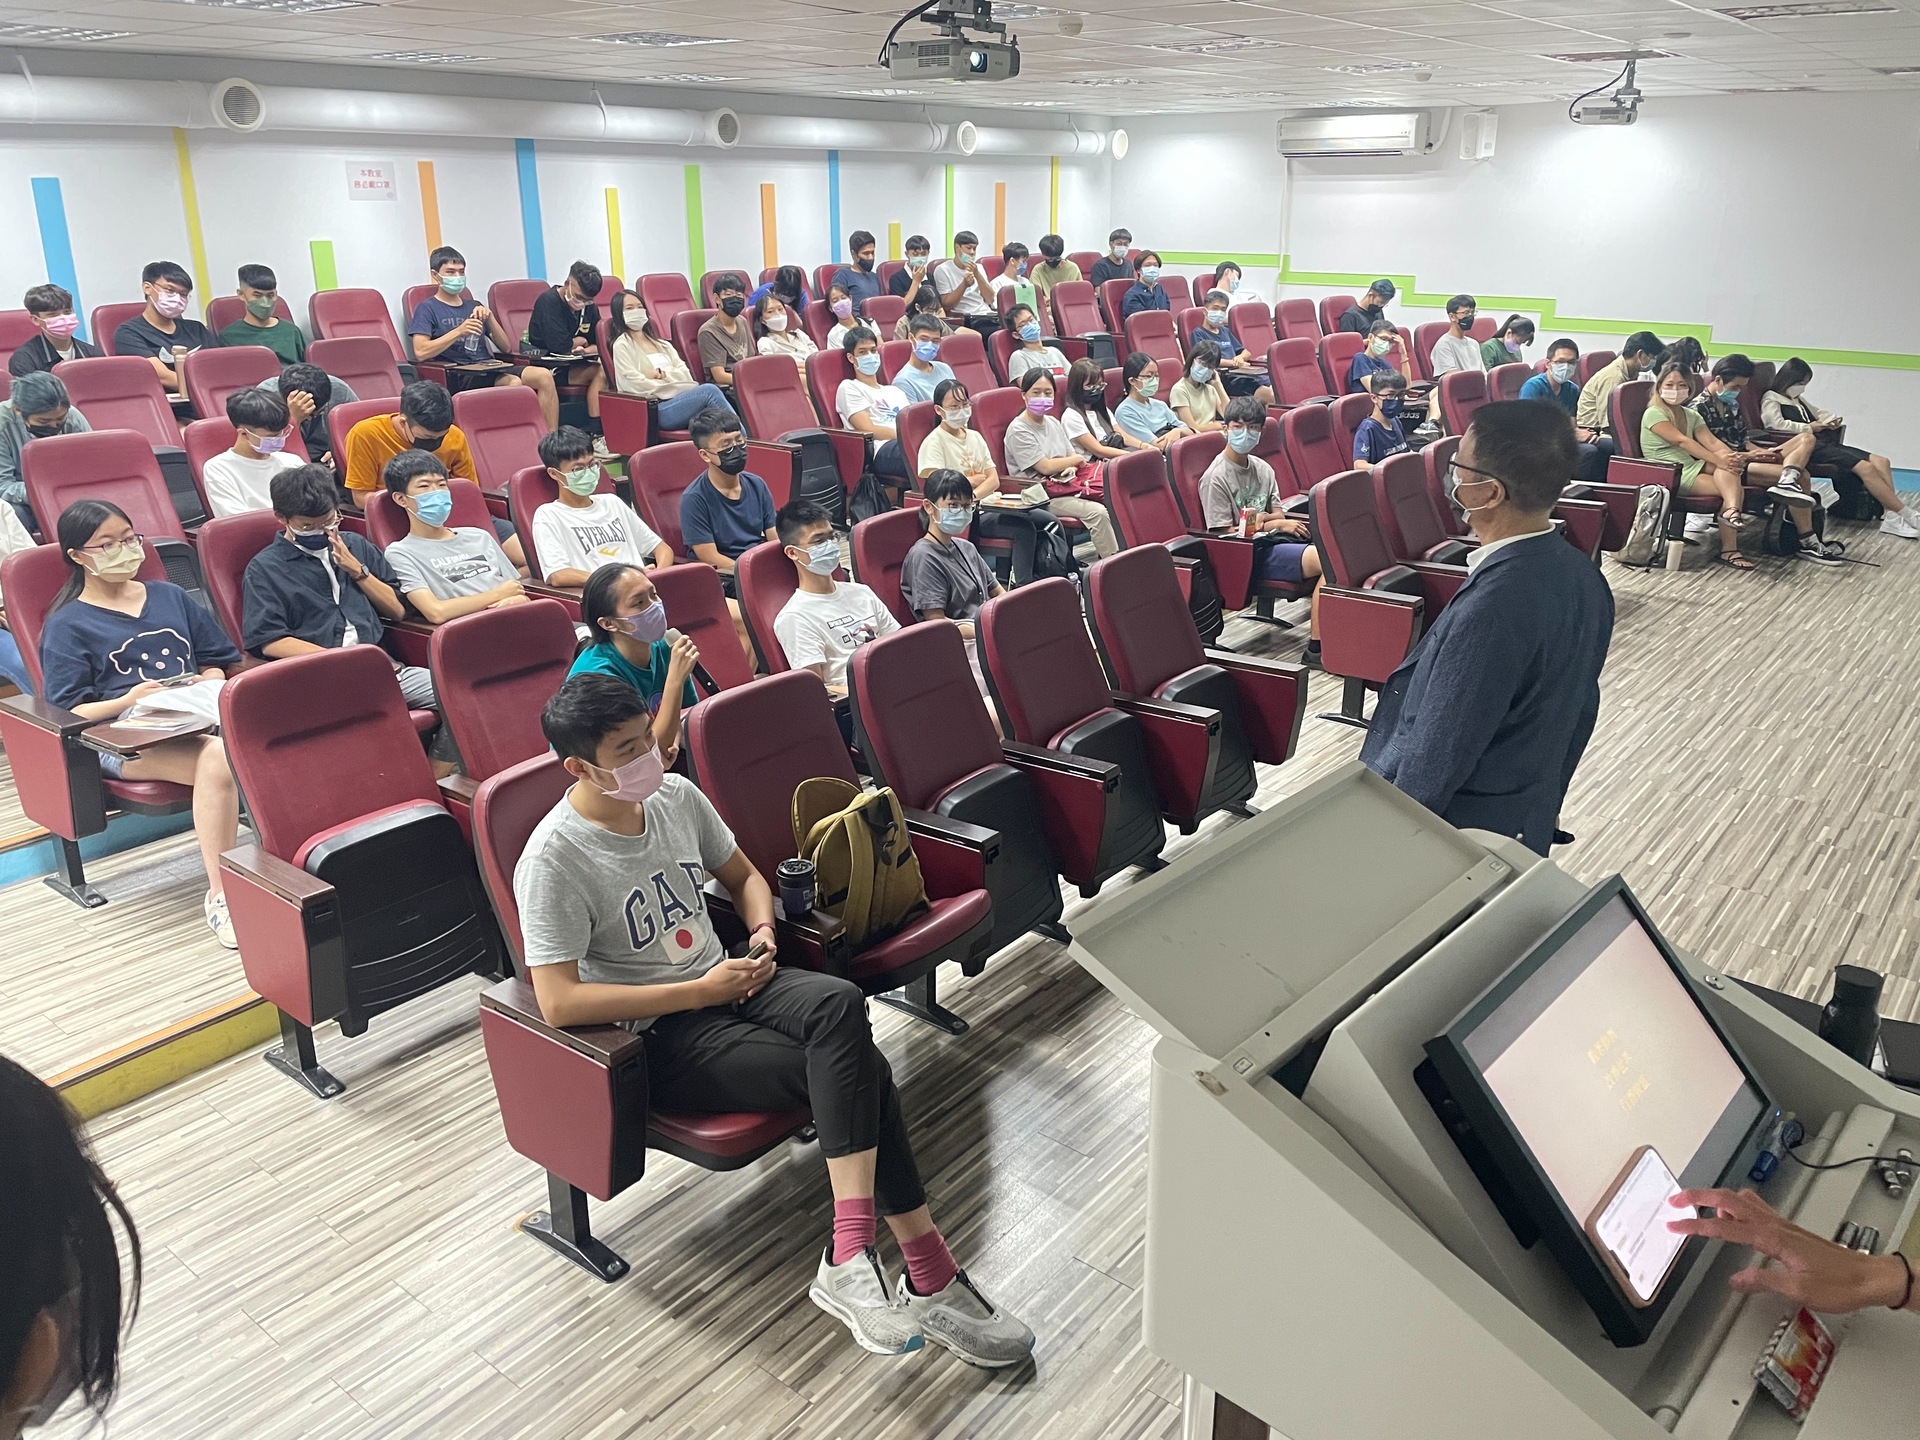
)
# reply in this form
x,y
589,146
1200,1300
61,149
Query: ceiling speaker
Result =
x,y
239,105
723,129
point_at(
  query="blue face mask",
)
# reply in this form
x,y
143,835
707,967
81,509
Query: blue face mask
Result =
x,y
926,349
1391,408
1019,268
868,364
1732,397
434,507
1150,273
1216,318
955,522
1030,332
1242,439
1202,374
1562,370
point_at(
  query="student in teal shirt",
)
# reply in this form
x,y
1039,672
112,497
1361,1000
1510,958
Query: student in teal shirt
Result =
x,y
628,620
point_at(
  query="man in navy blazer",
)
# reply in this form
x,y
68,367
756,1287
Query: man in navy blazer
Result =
x,y
1485,721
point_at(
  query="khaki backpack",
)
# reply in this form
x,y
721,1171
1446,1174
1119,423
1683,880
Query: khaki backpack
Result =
x,y
858,842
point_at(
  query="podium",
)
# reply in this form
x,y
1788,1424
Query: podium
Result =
x,y
1320,1255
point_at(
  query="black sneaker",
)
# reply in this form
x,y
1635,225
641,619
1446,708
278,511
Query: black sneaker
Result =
x,y
1812,549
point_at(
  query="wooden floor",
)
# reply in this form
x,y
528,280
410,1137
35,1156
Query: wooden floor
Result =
x,y
350,1269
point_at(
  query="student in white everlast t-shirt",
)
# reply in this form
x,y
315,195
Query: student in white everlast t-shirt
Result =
x,y
583,529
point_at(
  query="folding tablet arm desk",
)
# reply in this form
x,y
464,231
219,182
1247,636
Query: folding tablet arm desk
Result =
x,y
1317,1249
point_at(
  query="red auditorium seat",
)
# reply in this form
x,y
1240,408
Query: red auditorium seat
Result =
x,y
387,522
1298,379
353,314
750,748
665,294
1085,259
511,302
225,310
123,393
226,545
1312,444
1331,308
55,773
1076,315
1296,319
504,427
1461,393
660,474
212,375
822,277
1625,407
697,608
1424,338
818,321
881,313
965,353
106,319
1154,653
686,339
1504,381
919,719
1051,692
1336,359
774,404
894,354
880,544
16,329
630,423
1112,292
1152,333
117,466
1372,607
1415,525
361,893
1598,359
207,438
825,370
574,1101
1347,412
363,361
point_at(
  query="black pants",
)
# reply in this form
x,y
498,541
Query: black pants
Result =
x,y
981,325
802,1043
1594,455
1020,529
890,464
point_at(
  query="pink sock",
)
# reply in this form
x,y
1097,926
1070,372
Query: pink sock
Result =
x,y
930,1267
853,1228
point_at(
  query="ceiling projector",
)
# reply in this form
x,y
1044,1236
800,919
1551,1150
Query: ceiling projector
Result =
x,y
954,55
1620,108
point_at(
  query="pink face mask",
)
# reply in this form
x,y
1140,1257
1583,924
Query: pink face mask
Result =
x,y
843,309
1040,405
62,324
637,780
170,303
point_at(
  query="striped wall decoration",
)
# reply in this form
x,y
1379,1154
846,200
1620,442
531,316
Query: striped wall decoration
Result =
x,y
326,276
190,202
429,205
894,252
56,242
999,215
615,257
769,228
834,241
1053,196
696,224
534,232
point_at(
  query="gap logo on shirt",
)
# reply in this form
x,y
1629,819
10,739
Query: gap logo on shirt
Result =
x,y
154,655
657,914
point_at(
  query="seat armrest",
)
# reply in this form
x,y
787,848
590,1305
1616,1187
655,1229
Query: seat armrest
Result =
x,y
276,876
288,922
42,716
458,790
954,856
817,940
608,1045
412,640
1621,502
1183,749
1073,803
1273,702
1622,470
1438,584
1365,634
1586,523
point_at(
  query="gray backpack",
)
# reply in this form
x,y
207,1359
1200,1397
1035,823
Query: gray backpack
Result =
x,y
1649,533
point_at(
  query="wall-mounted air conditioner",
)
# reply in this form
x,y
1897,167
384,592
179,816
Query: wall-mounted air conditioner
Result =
x,y
1372,132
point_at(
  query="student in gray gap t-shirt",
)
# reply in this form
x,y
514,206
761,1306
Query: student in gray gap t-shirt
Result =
x,y
468,563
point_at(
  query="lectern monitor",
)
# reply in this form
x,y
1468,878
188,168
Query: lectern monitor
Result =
x,y
1594,1085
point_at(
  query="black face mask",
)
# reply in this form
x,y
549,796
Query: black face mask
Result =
x,y
732,304
428,442
865,262
733,459
1095,396
41,432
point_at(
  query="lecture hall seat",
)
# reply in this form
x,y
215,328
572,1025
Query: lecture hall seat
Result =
x,y
123,393
212,375
365,362
225,310
1373,608
749,749
357,895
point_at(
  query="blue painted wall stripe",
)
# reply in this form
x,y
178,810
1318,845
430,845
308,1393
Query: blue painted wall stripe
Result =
x,y
530,209
56,245
835,241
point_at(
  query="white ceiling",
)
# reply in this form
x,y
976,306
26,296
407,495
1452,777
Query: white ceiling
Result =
x,y
1131,56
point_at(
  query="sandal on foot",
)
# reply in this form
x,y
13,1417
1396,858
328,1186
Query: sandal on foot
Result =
x,y
1736,560
1738,519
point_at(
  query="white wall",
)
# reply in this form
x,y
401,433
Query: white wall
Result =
x,y
1778,220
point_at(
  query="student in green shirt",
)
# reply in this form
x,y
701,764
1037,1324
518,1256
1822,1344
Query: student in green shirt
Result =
x,y
1507,343
628,620
260,291
1673,433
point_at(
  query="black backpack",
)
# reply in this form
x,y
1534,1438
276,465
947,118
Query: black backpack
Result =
x,y
1052,551
819,474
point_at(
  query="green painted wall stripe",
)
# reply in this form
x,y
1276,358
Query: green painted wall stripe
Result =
x,y
946,238
696,225
1548,310
325,276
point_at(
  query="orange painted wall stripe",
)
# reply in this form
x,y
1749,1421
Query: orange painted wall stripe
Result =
x,y
769,228
429,205
999,214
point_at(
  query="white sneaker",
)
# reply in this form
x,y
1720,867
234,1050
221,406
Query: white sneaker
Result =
x,y
969,1324
856,1294
1901,523
1824,491
214,908
1698,525
600,448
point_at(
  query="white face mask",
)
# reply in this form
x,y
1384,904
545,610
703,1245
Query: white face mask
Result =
x,y
636,317
1794,392
1673,394
958,418
777,321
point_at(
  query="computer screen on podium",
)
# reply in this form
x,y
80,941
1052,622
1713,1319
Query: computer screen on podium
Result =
x,y
1596,1085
